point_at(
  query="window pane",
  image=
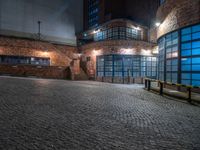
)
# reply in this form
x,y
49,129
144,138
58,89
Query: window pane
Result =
x,y
195,67
186,76
196,28
196,44
196,76
186,53
196,60
186,82
196,51
195,83
186,31
186,60
186,38
196,36
186,67
186,46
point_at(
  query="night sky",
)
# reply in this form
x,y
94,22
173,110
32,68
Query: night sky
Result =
x,y
61,19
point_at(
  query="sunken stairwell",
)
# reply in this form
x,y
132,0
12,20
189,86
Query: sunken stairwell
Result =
x,y
81,76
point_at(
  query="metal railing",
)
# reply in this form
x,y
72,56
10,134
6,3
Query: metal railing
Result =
x,y
162,84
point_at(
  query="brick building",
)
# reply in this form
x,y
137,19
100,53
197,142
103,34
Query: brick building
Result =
x,y
119,44
49,51
116,45
118,51
179,41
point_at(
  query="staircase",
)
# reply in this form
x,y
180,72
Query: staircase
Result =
x,y
81,76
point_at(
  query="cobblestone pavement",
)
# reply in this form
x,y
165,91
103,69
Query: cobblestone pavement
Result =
x,y
55,114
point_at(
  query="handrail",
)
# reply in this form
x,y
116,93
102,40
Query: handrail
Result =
x,y
162,83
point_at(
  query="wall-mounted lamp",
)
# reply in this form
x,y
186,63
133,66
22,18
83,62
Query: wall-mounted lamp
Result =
x,y
157,24
96,31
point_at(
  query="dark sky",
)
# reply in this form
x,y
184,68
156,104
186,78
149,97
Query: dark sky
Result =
x,y
61,19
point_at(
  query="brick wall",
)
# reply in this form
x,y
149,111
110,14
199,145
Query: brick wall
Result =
x,y
174,14
36,71
62,57
132,47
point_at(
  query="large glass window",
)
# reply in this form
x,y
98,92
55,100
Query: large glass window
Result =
x,y
93,10
126,65
118,33
190,55
189,52
24,60
161,59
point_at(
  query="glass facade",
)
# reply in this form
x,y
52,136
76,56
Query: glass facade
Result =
x,y
126,65
161,2
93,10
179,56
24,60
168,56
190,55
116,33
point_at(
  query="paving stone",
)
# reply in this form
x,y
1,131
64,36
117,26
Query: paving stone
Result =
x,y
76,115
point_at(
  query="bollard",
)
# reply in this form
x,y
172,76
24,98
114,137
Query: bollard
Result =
x,y
189,94
146,83
149,85
161,88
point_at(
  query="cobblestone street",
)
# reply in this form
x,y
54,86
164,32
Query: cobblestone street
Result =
x,y
75,115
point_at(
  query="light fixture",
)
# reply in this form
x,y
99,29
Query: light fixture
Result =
x,y
96,31
96,52
157,24
138,28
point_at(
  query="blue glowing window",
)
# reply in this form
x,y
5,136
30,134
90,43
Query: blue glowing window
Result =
x,y
196,44
186,67
186,46
186,82
196,76
195,67
186,61
186,31
196,36
186,76
196,60
196,28
195,83
196,51
186,53
185,38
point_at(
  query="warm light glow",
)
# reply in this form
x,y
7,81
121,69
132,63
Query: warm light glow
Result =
x,y
127,51
96,52
79,55
157,24
155,51
136,28
96,31
146,52
175,54
43,53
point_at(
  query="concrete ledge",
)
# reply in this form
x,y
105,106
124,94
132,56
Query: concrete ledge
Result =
x,y
36,71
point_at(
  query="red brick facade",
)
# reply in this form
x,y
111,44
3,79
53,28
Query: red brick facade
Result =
x,y
62,58
132,47
174,14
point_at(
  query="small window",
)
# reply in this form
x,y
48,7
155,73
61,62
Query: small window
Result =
x,y
88,58
161,2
